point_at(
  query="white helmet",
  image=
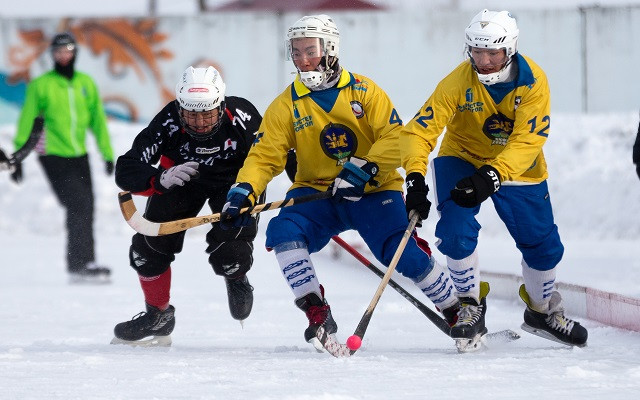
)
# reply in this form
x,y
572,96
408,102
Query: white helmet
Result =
x,y
492,30
316,26
200,90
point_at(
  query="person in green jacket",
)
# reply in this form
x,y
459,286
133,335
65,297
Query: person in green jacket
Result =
x,y
68,101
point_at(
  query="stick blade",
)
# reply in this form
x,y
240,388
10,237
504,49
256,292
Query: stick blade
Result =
x,y
133,217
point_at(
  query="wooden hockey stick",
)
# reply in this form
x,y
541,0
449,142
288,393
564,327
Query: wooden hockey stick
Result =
x,y
505,335
437,320
366,317
149,228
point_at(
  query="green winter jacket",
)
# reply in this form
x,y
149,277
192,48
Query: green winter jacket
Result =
x,y
68,108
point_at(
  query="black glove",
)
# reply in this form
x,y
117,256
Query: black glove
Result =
x,y
108,167
3,158
350,182
638,170
473,190
417,196
237,198
16,175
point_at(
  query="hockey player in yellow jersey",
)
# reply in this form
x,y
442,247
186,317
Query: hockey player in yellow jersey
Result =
x,y
495,107
344,130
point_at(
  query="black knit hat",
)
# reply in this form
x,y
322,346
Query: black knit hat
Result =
x,y
64,39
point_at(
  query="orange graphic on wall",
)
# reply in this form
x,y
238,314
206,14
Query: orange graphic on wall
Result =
x,y
128,44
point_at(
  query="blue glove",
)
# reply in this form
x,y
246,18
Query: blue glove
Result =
x,y
237,198
350,182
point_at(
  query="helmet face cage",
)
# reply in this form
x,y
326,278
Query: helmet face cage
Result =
x,y
492,30
200,101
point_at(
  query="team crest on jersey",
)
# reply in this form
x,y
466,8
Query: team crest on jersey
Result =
x,y
498,128
357,109
230,144
338,142
517,102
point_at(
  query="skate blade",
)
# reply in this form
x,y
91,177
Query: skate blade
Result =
x,y
89,280
546,335
317,345
469,345
153,341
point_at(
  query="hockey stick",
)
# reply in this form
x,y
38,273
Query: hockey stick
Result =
x,y
338,349
23,152
149,228
505,335
438,321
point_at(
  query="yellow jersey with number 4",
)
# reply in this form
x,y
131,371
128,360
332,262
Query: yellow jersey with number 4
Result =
x,y
353,119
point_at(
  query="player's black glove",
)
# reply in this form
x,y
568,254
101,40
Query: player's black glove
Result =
x,y
108,167
350,182
4,160
473,190
16,175
417,196
237,198
638,170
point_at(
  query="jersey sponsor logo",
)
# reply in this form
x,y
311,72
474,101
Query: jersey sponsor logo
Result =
x,y
302,123
338,142
498,128
470,105
357,109
361,85
205,150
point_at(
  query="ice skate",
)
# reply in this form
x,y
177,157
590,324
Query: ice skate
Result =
x,y
150,328
319,314
90,274
469,328
553,324
240,294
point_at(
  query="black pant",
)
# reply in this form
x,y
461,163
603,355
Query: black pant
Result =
x,y
70,179
230,251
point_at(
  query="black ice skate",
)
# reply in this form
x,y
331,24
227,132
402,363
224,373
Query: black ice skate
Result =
x,y
319,314
240,294
553,324
450,314
469,328
91,274
151,328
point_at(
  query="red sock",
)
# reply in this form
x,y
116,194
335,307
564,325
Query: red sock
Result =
x,y
156,289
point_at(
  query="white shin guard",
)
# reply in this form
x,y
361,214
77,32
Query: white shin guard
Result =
x,y
297,269
466,275
539,286
437,286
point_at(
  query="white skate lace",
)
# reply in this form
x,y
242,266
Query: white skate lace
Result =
x,y
557,321
469,314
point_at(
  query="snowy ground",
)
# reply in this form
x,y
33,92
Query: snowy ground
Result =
x,y
55,336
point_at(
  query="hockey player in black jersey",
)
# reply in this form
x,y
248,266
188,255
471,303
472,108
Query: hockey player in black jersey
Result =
x,y
189,155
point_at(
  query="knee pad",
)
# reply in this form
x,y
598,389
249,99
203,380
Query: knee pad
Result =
x,y
546,255
145,260
457,234
231,259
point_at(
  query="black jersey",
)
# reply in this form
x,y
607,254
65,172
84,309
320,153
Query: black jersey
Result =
x,y
164,143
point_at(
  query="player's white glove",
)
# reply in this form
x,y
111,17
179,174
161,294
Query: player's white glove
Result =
x,y
178,175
